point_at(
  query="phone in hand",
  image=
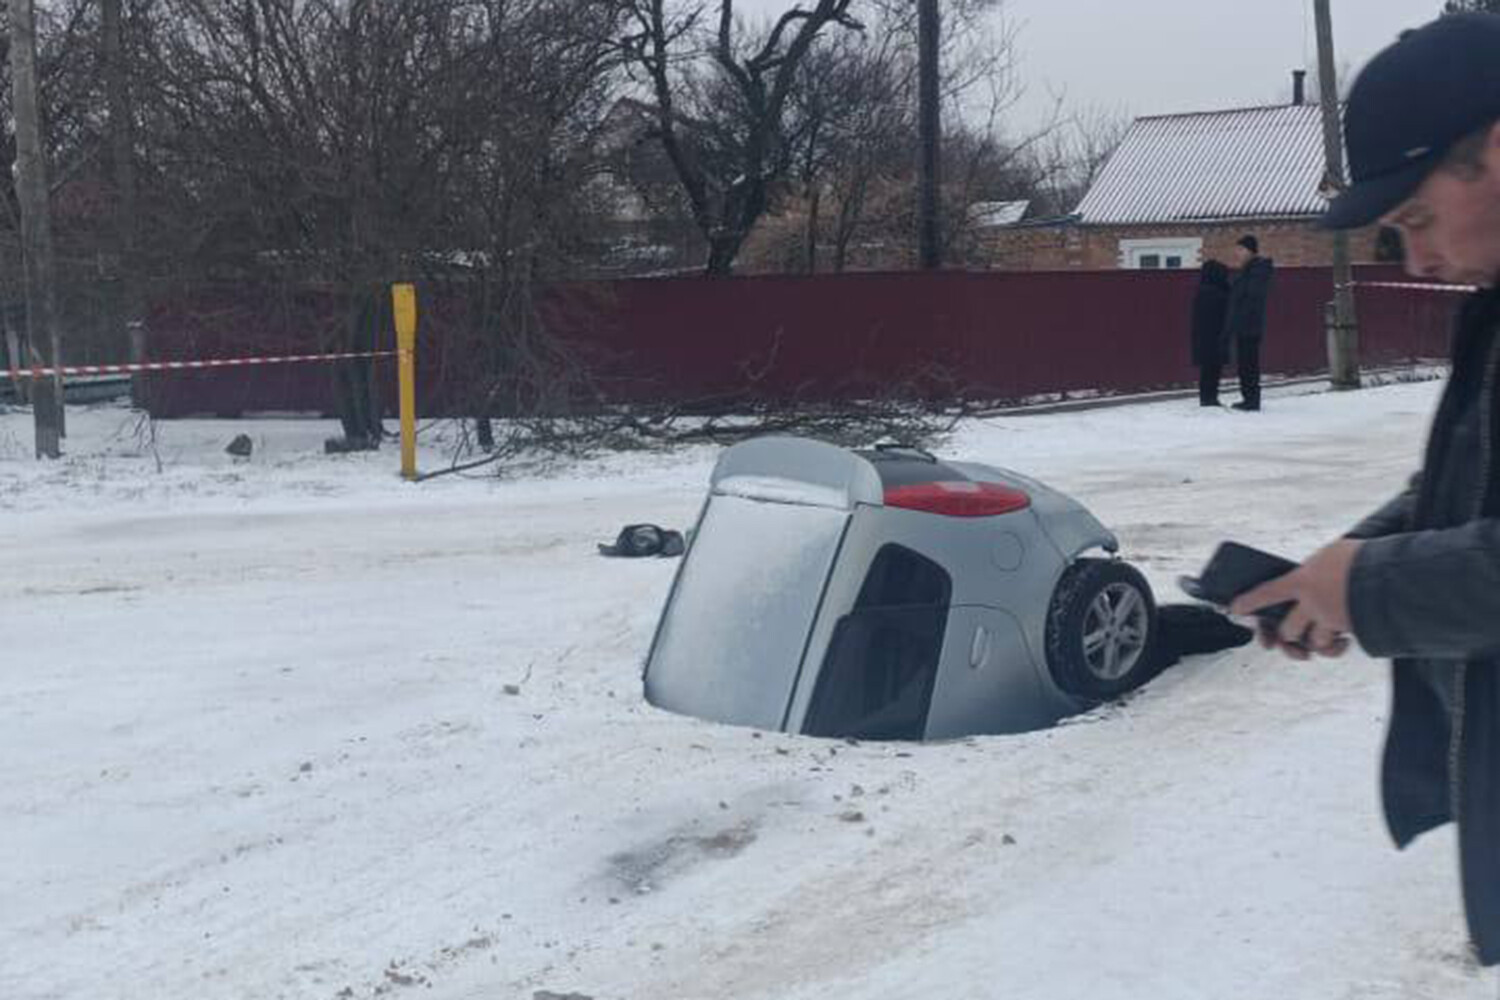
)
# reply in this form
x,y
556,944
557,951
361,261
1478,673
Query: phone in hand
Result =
x,y
1234,569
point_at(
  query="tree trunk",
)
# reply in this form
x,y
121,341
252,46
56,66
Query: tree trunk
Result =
x,y
13,316
36,231
358,392
722,250
814,201
15,357
484,432
851,209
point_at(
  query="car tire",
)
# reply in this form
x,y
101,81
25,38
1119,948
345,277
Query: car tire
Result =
x,y
1101,627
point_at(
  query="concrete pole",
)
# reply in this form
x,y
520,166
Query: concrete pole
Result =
x,y
1343,333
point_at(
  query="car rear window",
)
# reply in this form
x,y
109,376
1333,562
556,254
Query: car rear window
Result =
x,y
877,678
733,637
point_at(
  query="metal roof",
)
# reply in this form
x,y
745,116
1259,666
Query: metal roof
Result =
x,y
1249,163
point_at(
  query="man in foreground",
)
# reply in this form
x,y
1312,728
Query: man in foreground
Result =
x,y
1419,580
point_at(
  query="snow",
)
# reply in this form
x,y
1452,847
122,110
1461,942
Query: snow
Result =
x,y
295,728
775,489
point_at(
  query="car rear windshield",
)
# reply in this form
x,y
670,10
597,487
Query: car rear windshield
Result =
x,y
733,638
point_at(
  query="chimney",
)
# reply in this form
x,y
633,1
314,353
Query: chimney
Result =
x,y
1299,86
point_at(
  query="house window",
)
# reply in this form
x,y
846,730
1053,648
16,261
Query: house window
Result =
x,y
1168,253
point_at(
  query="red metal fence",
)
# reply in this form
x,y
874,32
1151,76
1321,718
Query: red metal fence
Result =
x,y
991,336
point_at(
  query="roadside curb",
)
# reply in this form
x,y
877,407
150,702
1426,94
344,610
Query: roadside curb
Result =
x,y
1425,371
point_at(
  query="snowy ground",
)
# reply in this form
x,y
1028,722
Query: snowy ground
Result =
x,y
294,728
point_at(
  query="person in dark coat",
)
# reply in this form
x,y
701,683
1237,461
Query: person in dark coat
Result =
x,y
1419,580
1210,306
1245,323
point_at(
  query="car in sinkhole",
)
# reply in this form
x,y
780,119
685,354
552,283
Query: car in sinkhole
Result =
x,y
886,594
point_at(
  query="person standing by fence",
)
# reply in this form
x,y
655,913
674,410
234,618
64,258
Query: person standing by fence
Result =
x,y
1209,337
1245,325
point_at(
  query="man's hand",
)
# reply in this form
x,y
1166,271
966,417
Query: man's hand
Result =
x,y
1320,588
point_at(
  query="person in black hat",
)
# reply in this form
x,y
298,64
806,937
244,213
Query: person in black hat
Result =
x,y
1210,305
1245,323
1419,580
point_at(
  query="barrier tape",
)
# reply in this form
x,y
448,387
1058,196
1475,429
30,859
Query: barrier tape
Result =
x,y
1417,286
173,366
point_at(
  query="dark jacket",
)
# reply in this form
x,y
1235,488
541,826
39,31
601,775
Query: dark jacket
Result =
x,y
1425,590
1210,307
1247,301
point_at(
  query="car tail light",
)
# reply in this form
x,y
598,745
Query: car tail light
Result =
x,y
958,499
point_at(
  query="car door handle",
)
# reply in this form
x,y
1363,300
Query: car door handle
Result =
x,y
979,652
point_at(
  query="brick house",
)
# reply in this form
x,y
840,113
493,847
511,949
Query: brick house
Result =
x,y
1181,189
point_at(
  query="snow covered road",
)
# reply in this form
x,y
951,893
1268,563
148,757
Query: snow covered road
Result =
x,y
294,728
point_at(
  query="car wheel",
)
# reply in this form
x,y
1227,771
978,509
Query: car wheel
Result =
x,y
1100,628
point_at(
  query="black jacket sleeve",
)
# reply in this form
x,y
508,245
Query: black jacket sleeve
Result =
x,y
1431,594
1393,518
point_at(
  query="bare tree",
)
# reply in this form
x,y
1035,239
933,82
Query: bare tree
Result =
x,y
851,124
71,98
528,206
1069,161
354,142
854,122
721,116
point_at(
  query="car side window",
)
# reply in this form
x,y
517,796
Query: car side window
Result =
x,y
878,676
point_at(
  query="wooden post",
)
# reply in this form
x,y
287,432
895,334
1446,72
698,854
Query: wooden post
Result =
x,y
404,302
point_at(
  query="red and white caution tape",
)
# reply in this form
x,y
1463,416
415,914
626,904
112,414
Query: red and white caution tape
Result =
x,y
1417,286
174,366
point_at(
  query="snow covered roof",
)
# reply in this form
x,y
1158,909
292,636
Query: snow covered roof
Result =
x,y
988,214
1248,163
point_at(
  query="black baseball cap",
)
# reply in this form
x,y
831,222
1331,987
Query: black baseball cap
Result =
x,y
1408,107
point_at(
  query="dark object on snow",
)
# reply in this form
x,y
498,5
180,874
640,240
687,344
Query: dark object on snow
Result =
x,y
637,540
241,446
344,445
1191,630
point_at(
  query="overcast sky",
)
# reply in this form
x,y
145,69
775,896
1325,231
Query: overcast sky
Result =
x,y
1147,57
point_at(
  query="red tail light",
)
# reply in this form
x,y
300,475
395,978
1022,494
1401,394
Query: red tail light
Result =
x,y
958,499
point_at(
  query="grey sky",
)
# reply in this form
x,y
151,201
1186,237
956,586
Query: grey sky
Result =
x,y
1160,56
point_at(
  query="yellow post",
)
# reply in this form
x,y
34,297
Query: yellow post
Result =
x,y
404,301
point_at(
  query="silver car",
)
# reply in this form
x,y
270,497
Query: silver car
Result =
x,y
885,594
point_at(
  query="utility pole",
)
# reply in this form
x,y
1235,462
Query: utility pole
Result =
x,y
36,231
1343,333
929,137
120,271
